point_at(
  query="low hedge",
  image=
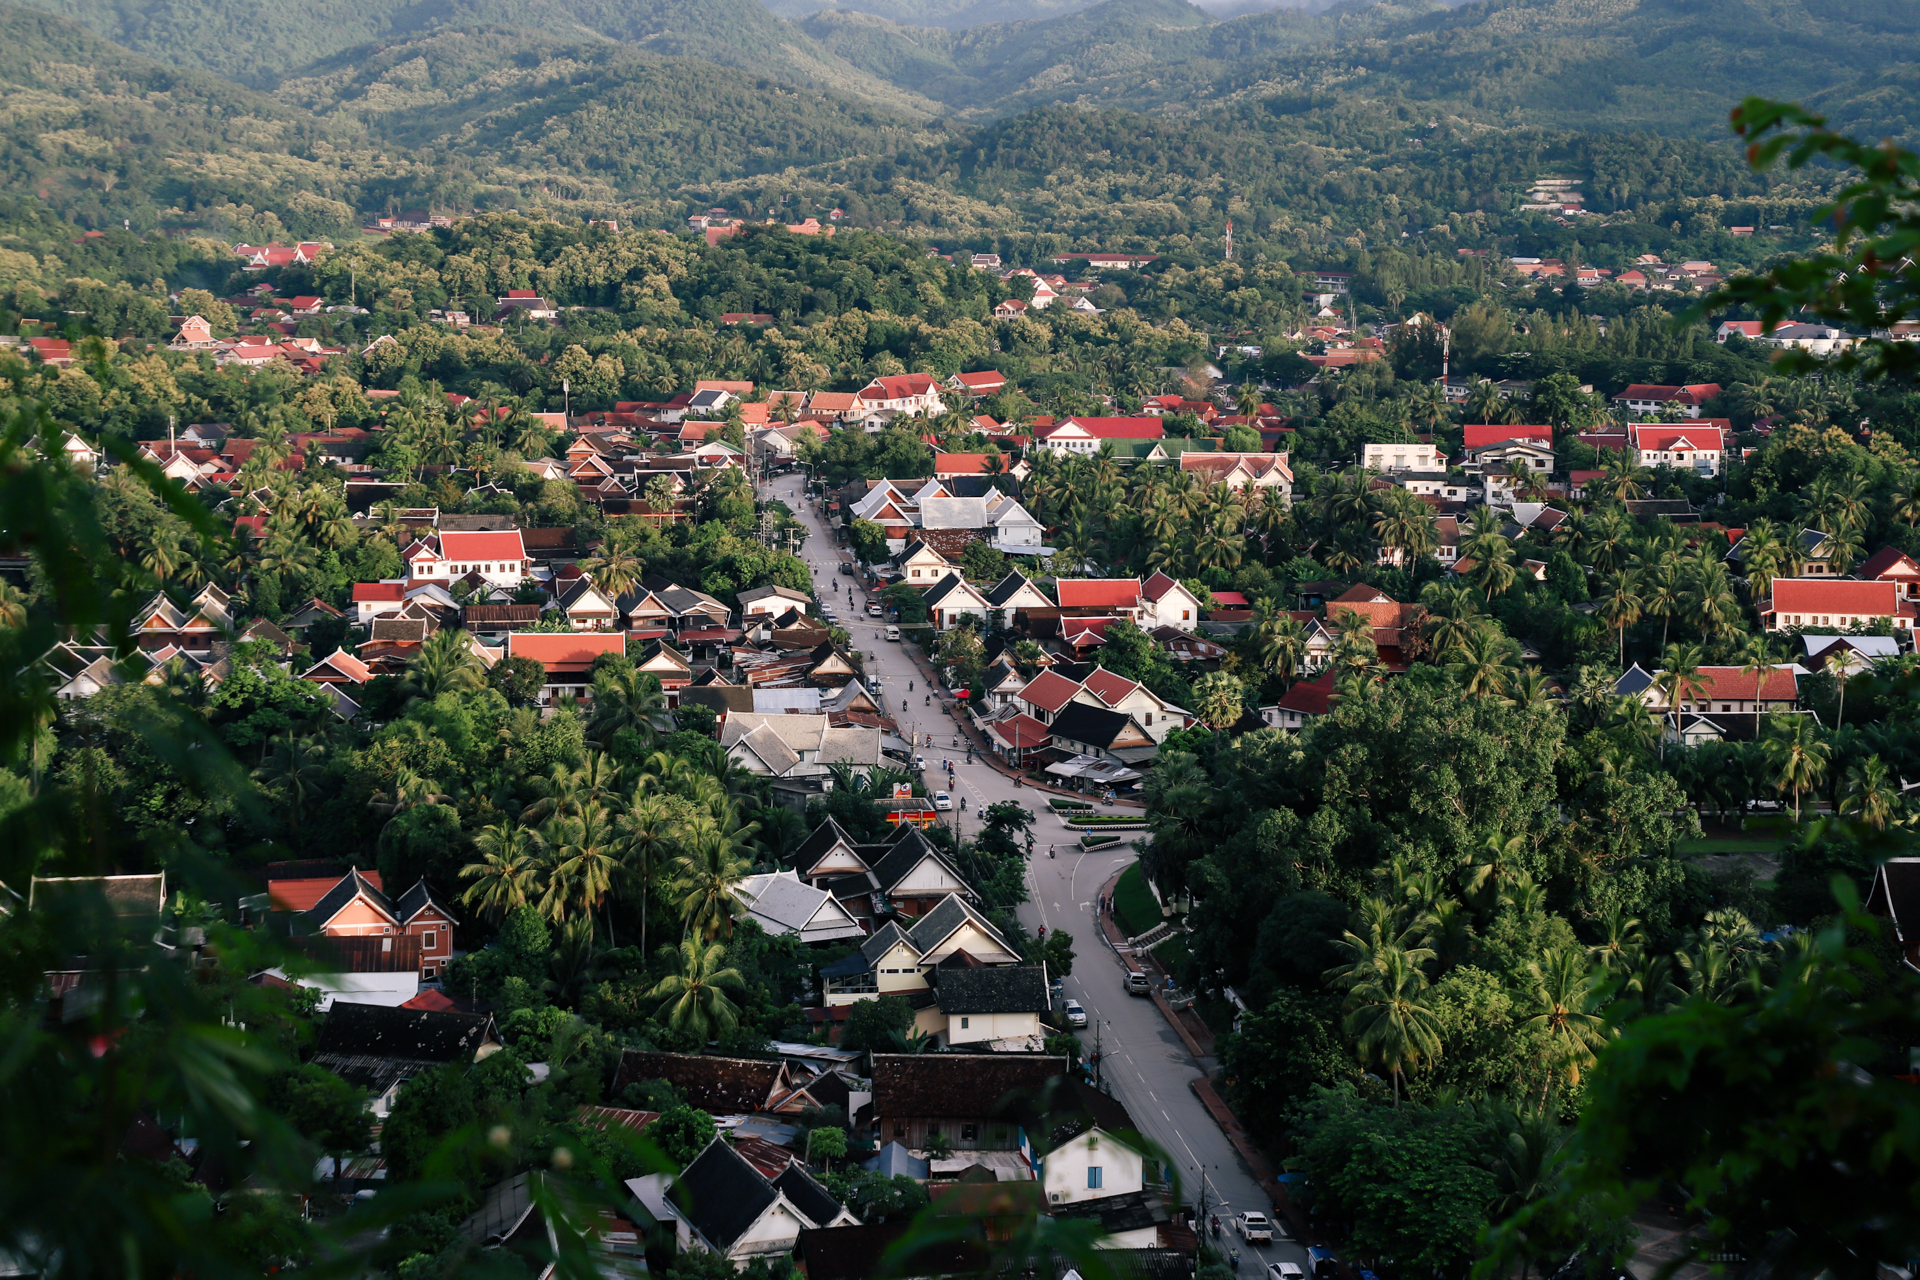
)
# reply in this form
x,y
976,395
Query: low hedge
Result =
x,y
1069,806
1098,842
1105,820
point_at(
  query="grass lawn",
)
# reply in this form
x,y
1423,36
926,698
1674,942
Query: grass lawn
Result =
x,y
1134,903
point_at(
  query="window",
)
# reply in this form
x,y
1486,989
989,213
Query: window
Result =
x,y
429,939
1095,1177
965,1023
899,1128
969,1132
386,944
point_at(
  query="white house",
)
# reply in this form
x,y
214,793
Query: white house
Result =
x,y
1830,604
903,393
953,598
1688,446
784,905
497,555
773,600
1166,602
1402,457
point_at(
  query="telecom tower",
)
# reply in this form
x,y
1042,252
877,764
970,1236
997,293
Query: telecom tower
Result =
x,y
1229,239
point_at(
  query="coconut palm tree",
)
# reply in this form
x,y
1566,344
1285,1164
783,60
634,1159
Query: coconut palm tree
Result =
x,y
1621,605
1485,404
625,698
698,993
1711,600
1389,1019
1563,1000
1281,641
1620,937
294,773
1798,755
505,877
586,853
652,828
446,663
706,881
1678,681
1869,798
614,570
1529,687
1484,663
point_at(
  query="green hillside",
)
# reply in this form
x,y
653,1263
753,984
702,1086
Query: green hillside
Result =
x,y
592,120
261,42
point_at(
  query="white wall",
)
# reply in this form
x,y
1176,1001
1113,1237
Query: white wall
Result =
x,y
1063,1175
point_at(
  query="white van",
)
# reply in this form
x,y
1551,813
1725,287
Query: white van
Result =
x,y
893,633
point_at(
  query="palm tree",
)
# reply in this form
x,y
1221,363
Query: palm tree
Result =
x,y
1663,593
625,698
1482,665
1619,937
614,570
446,663
706,882
1678,680
1389,1019
1711,597
1563,997
1529,687
586,860
166,553
1621,605
1485,404
13,606
1218,699
294,773
504,878
1623,480
1869,799
1280,643
1798,755
699,991
1452,613
652,831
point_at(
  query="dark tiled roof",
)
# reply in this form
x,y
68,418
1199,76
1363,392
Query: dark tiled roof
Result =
x,y
390,953
907,854
335,899
1076,1109
419,1035
995,989
948,915
725,699
721,1194
503,1209
961,1086
818,841
416,899
809,1197
1079,722
723,1086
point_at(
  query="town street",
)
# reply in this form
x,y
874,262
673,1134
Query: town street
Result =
x,y
1145,1063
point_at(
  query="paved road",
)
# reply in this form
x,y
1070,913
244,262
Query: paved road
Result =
x,y
1146,1065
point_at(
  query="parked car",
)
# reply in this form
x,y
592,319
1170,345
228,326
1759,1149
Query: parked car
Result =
x,y
1137,985
919,764
941,800
1076,1016
1254,1227
873,611
893,633
1284,1271
846,568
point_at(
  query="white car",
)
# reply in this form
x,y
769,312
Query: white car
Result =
x,y
941,800
1284,1271
1255,1227
1076,1016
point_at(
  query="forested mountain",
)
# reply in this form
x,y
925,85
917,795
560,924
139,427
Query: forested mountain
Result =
x,y
261,43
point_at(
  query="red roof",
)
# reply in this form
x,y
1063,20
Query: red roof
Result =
x,y
964,464
558,650
1480,435
988,381
1889,561
1667,437
1099,593
490,544
1118,428
1231,599
257,525
1829,596
301,895
898,386
432,1001
1310,698
1049,691
370,592
1022,732
1779,684
1110,687
1694,393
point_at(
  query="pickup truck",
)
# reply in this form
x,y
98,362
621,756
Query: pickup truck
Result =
x,y
1254,1227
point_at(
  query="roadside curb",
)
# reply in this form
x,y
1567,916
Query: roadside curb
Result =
x,y
1257,1164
